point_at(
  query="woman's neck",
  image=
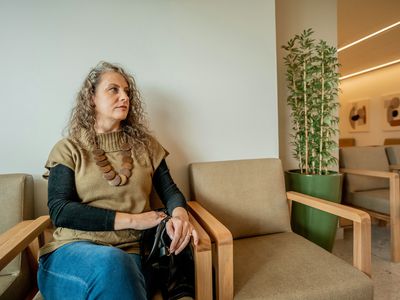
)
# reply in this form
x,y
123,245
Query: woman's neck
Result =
x,y
105,127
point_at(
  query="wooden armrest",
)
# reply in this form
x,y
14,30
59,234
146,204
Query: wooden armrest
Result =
x,y
371,173
204,243
361,226
337,209
218,232
223,263
16,239
203,262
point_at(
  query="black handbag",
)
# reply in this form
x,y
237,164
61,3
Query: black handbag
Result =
x,y
170,273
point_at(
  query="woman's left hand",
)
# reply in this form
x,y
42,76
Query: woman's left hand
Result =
x,y
180,230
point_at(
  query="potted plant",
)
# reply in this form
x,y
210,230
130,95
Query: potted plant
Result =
x,y
312,81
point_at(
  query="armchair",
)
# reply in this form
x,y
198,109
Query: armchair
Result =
x,y
27,236
16,199
243,207
371,186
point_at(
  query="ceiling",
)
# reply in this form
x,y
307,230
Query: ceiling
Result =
x,y
358,18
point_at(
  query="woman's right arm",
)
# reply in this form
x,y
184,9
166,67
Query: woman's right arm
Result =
x,y
66,209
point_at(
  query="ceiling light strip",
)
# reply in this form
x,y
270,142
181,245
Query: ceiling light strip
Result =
x,y
370,69
369,36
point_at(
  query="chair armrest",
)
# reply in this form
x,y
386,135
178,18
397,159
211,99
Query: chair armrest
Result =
x,y
223,259
203,262
361,226
218,232
19,237
204,243
364,172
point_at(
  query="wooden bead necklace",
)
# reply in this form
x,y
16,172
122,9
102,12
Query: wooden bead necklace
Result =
x,y
113,177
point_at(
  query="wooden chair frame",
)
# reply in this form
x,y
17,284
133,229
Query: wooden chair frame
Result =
x,y
394,198
30,235
223,255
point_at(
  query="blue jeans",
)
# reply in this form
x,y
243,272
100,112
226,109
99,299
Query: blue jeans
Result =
x,y
84,270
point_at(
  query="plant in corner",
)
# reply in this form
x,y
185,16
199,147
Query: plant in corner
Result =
x,y
312,82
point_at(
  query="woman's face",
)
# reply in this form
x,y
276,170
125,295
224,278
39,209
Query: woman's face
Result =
x,y
111,101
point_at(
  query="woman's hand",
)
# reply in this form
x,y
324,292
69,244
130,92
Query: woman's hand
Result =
x,y
141,221
180,230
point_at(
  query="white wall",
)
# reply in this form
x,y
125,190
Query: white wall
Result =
x,y
372,86
206,69
292,17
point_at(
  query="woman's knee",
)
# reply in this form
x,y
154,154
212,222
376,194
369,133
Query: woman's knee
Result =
x,y
114,262
117,273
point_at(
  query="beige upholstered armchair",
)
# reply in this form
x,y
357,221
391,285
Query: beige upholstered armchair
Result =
x,y
21,234
370,185
244,207
16,198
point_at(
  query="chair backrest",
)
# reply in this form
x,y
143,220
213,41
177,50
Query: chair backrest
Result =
x,y
367,158
393,154
16,193
247,196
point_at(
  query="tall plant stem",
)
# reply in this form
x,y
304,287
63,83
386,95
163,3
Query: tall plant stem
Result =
x,y
322,114
305,114
297,124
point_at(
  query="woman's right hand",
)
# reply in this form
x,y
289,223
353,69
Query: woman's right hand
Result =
x,y
138,221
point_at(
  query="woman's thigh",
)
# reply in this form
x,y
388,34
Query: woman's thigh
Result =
x,y
83,270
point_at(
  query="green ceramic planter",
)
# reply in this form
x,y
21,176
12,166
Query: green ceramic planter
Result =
x,y
315,225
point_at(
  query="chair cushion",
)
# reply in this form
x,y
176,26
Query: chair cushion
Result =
x,y
287,266
367,158
247,196
393,154
16,191
375,200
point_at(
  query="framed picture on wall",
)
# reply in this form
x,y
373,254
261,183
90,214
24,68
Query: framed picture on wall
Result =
x,y
391,112
357,115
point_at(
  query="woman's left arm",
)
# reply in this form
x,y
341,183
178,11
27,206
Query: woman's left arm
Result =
x,y
179,228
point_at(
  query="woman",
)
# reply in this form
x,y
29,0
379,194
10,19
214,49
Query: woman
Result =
x,y
100,179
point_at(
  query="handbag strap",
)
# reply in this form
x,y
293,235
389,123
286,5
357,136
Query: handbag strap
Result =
x,y
158,241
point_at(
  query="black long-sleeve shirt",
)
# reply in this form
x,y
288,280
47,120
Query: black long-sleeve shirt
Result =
x,y
66,209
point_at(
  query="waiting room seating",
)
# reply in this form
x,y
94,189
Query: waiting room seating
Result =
x,y
244,208
370,185
19,233
16,198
